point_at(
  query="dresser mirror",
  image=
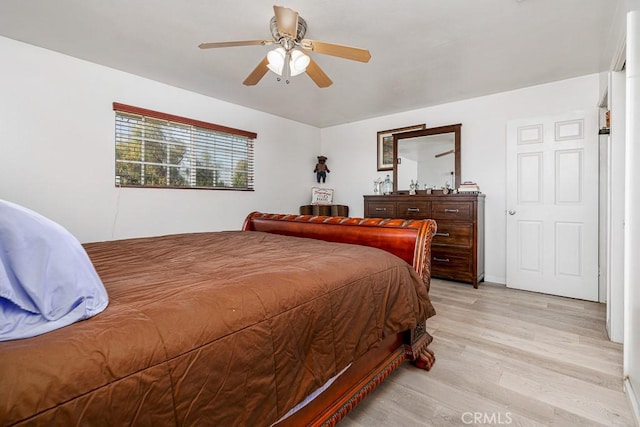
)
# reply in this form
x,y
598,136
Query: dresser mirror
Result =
x,y
430,156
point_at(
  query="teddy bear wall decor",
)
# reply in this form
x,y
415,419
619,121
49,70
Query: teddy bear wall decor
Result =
x,y
321,169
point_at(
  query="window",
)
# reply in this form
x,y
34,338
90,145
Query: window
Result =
x,y
161,150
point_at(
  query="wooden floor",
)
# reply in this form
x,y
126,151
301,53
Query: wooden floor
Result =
x,y
506,357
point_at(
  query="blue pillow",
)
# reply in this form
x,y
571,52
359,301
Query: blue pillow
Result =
x,y
47,281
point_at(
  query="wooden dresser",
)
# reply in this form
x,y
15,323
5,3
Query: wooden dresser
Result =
x,y
457,252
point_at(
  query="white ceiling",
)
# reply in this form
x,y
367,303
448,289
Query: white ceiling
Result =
x,y
424,52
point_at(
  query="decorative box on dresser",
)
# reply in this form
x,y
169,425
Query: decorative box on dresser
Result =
x,y
457,251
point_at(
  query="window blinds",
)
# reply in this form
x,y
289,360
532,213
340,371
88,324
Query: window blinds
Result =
x,y
155,149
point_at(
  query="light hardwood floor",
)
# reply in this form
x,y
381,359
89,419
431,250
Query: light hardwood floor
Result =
x,y
506,357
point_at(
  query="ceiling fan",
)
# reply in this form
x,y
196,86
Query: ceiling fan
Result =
x,y
289,59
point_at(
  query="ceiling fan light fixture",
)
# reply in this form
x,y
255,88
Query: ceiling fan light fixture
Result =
x,y
297,65
299,62
276,60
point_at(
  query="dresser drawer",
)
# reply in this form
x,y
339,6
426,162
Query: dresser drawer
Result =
x,y
450,265
451,210
414,210
381,210
454,234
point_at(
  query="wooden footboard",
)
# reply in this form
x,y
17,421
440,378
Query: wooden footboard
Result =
x,y
409,240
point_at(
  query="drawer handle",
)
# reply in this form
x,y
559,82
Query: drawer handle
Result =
x,y
441,259
413,209
442,234
381,209
452,210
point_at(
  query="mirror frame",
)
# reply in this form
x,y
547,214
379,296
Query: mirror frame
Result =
x,y
456,129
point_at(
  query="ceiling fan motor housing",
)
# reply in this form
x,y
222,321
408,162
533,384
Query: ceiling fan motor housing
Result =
x,y
301,31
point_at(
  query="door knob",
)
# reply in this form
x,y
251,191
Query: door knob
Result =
x,y
512,212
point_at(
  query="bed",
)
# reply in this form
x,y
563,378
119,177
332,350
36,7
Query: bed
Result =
x,y
233,328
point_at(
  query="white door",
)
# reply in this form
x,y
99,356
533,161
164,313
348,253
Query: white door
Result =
x,y
552,205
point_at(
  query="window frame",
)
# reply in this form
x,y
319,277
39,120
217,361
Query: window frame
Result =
x,y
194,125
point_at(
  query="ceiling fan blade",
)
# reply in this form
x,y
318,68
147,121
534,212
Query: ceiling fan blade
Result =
x,y
444,154
234,44
317,75
287,21
342,51
257,73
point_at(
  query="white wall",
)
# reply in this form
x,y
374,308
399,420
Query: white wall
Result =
x,y
352,148
57,150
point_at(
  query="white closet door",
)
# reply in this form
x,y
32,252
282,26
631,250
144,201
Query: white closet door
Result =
x,y
552,205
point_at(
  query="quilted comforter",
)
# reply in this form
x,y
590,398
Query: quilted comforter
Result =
x,y
226,328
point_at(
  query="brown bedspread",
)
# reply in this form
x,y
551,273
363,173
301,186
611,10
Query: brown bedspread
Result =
x,y
229,328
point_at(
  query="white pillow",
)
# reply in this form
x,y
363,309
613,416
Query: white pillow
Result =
x,y
47,281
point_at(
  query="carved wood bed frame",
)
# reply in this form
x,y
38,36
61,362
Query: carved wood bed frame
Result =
x,y
409,240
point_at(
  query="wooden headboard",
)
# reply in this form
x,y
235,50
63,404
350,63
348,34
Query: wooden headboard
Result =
x,y
407,239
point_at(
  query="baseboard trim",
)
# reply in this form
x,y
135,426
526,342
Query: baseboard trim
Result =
x,y
495,279
633,399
